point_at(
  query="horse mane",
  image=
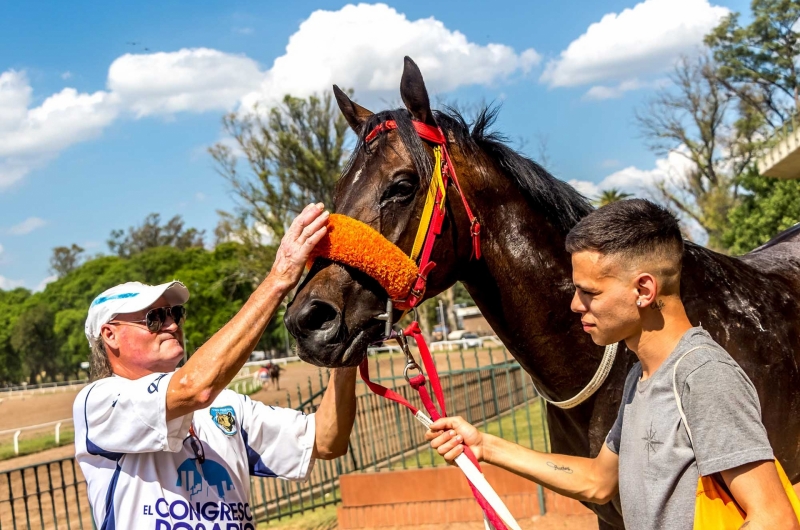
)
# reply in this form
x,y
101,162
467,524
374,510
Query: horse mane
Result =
x,y
558,201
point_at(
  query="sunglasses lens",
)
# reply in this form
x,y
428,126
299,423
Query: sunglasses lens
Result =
x,y
178,314
155,318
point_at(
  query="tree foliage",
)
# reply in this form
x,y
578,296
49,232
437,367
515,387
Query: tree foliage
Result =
x,y
294,154
65,259
152,234
771,206
609,196
758,62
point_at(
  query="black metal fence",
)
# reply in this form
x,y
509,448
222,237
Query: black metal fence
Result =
x,y
499,398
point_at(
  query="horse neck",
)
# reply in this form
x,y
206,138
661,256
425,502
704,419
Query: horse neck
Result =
x,y
523,286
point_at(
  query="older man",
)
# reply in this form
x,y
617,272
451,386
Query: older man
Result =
x,y
171,449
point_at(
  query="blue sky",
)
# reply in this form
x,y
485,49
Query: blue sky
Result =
x,y
96,133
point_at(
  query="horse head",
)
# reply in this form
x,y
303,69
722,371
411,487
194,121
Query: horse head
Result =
x,y
334,315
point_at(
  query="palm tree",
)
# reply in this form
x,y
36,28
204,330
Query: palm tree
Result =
x,y
611,195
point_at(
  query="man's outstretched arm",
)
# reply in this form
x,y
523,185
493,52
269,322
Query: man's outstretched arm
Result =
x,y
335,415
197,383
586,479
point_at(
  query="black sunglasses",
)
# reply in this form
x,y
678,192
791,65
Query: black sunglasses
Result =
x,y
196,445
156,317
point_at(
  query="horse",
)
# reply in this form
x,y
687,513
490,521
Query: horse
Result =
x,y
522,283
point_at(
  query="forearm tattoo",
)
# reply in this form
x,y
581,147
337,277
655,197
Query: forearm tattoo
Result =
x,y
556,467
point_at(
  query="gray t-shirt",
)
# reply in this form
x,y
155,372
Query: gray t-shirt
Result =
x,y
658,467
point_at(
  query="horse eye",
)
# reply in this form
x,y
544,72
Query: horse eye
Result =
x,y
400,190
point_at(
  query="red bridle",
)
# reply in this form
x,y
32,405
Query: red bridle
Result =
x,y
434,135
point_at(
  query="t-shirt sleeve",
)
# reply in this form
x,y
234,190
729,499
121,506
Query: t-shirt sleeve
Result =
x,y
279,441
724,416
129,416
614,435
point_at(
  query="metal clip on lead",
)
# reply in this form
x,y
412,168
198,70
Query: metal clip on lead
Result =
x,y
387,317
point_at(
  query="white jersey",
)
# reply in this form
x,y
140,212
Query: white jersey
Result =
x,y
143,473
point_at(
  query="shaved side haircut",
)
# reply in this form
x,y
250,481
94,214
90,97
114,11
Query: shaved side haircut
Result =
x,y
637,233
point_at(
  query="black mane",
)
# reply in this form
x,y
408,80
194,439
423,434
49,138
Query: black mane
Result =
x,y
559,201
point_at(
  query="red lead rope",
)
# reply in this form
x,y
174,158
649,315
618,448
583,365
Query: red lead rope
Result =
x,y
417,382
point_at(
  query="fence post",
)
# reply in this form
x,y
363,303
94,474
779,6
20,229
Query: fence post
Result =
x,y
16,442
58,433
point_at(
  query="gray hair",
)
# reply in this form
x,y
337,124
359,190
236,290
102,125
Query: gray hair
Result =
x,y
99,367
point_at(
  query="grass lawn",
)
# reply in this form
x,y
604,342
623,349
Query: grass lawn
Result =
x,y
35,444
523,426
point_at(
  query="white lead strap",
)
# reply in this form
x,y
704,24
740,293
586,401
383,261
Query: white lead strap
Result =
x,y
477,479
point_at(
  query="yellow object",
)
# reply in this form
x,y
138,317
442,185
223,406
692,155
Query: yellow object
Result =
x,y
430,201
714,509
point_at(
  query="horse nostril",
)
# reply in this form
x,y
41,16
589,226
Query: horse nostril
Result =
x,y
318,316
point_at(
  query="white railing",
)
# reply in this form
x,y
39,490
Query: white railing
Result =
x,y
11,392
480,342
17,432
386,348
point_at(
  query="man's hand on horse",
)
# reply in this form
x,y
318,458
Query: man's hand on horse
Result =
x,y
448,434
306,231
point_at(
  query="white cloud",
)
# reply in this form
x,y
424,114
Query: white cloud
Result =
x,y
1,249
333,47
599,92
30,137
7,284
194,80
27,226
43,283
243,31
66,75
328,47
671,169
644,39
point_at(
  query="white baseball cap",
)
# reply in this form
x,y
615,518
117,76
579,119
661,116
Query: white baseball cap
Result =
x,y
130,297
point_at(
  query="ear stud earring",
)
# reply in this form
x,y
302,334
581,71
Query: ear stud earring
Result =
x,y
638,303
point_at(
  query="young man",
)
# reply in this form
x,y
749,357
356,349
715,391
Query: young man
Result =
x,y
626,260
166,449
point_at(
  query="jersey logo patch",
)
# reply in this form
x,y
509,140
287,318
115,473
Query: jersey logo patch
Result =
x,y
214,476
225,419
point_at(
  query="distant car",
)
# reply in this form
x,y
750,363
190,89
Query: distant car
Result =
x,y
471,340
257,356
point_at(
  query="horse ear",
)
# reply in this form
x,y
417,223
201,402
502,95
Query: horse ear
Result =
x,y
354,113
414,93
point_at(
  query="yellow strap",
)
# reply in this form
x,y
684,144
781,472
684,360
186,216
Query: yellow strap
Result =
x,y
427,212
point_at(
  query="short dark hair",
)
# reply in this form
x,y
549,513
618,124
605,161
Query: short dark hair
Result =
x,y
635,229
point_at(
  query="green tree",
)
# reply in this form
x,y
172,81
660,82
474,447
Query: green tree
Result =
x,y
34,340
772,206
65,259
294,153
11,307
758,62
152,234
609,196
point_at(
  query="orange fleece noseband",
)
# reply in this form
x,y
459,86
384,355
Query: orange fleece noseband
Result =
x,y
357,245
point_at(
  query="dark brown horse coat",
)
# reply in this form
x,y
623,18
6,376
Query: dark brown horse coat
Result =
x,y
523,283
